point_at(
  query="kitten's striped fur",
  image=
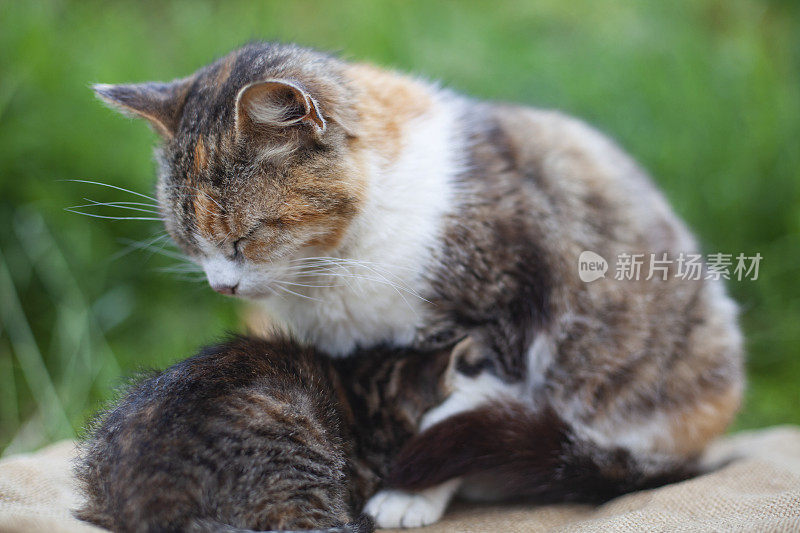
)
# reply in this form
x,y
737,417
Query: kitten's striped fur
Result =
x,y
437,216
257,435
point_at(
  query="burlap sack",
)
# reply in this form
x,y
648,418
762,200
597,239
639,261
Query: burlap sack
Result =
x,y
759,490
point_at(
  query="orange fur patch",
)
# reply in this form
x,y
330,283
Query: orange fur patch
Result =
x,y
224,71
200,155
693,428
386,103
330,240
326,202
335,222
210,220
255,250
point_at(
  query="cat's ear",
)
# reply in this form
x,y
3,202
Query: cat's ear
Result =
x,y
465,357
447,363
158,103
277,103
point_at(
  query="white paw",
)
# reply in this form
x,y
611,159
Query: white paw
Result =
x,y
395,508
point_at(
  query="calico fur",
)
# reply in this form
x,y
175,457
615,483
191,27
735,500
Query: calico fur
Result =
x,y
420,215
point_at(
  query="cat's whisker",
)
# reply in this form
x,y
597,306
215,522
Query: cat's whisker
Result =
x,y
139,244
319,271
313,286
112,187
275,293
383,268
351,275
343,263
110,204
280,286
194,279
108,217
398,288
159,250
123,204
336,262
374,269
181,268
353,261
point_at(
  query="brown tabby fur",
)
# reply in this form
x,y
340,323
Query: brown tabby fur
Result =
x,y
255,434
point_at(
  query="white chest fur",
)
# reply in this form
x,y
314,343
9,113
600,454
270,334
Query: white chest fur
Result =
x,y
373,290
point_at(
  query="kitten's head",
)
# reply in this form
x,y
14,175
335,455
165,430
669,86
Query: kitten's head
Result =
x,y
256,167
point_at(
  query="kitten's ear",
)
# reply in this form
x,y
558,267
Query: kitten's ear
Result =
x,y
465,355
159,103
277,103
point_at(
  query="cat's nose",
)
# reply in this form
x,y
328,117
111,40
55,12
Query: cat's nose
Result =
x,y
230,290
223,275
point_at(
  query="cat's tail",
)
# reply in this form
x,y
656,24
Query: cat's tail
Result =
x,y
510,450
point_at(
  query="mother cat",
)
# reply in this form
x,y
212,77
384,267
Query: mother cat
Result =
x,y
361,206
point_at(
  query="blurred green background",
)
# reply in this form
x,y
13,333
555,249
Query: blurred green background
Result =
x,y
705,93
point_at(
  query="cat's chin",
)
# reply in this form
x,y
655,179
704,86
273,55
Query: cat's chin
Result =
x,y
261,292
254,294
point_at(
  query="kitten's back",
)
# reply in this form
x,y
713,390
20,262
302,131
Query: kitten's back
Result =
x,y
245,435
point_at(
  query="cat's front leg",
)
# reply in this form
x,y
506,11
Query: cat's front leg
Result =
x,y
398,508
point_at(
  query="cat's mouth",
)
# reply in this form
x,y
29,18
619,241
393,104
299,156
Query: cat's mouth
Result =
x,y
227,290
242,290
260,290
300,277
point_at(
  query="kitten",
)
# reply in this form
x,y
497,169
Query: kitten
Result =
x,y
257,434
362,207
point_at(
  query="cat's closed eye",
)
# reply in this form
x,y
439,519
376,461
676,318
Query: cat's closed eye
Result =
x,y
237,250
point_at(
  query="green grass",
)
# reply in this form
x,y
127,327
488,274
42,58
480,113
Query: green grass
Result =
x,y
705,93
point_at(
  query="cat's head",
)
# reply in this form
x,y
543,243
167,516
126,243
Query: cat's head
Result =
x,y
256,167
399,386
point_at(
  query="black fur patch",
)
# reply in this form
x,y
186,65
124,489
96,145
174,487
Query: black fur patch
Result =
x,y
523,454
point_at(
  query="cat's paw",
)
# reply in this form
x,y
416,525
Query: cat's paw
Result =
x,y
396,508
